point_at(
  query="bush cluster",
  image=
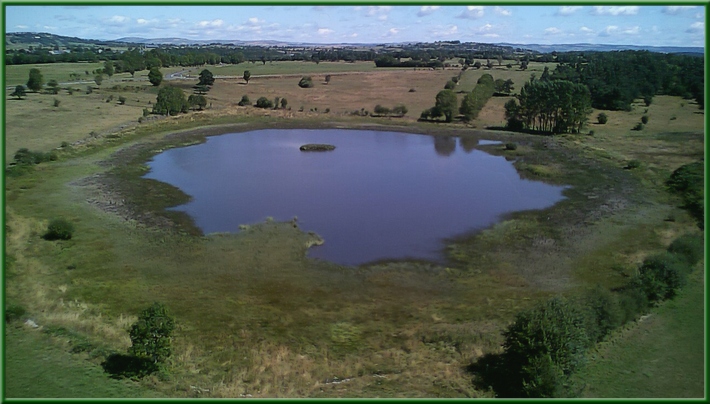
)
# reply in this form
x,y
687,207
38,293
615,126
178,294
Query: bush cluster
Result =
x,y
545,345
399,110
688,182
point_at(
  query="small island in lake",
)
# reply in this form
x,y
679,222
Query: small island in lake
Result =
x,y
317,147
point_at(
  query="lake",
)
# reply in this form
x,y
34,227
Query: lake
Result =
x,y
378,195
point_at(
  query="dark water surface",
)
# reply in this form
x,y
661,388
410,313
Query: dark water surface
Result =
x,y
378,195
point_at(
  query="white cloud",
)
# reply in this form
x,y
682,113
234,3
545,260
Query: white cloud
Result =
x,y
255,21
631,31
491,35
393,31
484,28
696,28
615,10
471,12
21,26
673,10
49,27
568,10
609,30
325,31
450,30
375,10
143,21
586,30
552,31
116,20
383,17
210,24
426,10
502,11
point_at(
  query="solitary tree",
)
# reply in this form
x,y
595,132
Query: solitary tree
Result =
x,y
171,101
108,68
327,78
35,81
99,79
206,78
246,76
264,102
19,92
284,103
446,104
151,334
155,76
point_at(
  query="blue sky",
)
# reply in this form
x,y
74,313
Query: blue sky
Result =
x,y
655,25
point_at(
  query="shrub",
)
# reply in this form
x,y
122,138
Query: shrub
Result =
x,y
511,146
264,102
688,182
662,275
151,334
602,118
306,82
411,90
632,301
26,157
603,311
648,100
380,110
59,229
644,119
400,110
244,101
639,126
122,100
450,85
284,103
146,112
56,103
89,89
14,312
591,133
689,248
633,164
556,329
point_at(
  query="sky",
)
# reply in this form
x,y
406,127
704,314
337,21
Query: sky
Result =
x,y
646,25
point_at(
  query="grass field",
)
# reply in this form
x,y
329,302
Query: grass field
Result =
x,y
660,357
255,316
41,369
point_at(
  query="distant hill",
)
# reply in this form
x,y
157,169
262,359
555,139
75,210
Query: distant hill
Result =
x,y
16,39
582,47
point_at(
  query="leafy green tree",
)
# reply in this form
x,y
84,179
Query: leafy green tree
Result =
x,y
446,104
19,92
151,335
35,81
206,78
474,101
99,79
400,110
122,100
284,103
246,76
155,76
171,101
450,85
602,118
198,101
108,68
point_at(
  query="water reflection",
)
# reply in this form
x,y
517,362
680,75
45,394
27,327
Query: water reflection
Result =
x,y
444,145
378,195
